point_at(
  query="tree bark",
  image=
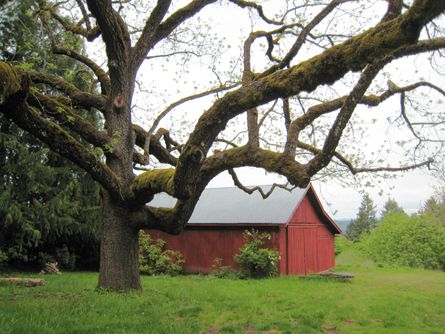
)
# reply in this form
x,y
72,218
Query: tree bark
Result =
x,y
119,250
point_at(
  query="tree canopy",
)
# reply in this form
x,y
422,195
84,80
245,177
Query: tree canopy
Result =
x,y
283,81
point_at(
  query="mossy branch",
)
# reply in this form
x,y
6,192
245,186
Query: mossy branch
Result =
x,y
152,182
10,81
15,90
78,97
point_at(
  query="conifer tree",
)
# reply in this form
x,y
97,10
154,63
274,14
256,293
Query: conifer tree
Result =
x,y
390,206
365,220
48,206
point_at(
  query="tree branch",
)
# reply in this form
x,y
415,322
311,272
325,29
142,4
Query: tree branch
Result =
x,y
303,35
89,33
250,191
78,97
258,8
14,107
142,46
52,107
356,170
172,106
323,158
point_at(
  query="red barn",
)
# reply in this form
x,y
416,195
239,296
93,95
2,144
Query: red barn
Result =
x,y
300,229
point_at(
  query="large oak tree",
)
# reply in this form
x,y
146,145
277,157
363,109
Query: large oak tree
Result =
x,y
183,169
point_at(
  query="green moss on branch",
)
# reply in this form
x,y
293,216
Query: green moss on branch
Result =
x,y
147,184
10,82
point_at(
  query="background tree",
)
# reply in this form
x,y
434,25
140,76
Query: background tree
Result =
x,y
365,220
411,241
435,206
291,122
49,208
391,206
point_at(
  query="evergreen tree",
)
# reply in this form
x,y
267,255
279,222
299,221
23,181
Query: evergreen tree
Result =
x,y
48,207
391,206
435,206
365,221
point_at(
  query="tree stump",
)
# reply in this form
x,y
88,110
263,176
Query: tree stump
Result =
x,y
51,268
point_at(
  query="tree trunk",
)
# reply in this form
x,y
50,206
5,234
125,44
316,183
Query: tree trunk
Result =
x,y
119,250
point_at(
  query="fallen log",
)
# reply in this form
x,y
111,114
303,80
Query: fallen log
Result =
x,y
26,282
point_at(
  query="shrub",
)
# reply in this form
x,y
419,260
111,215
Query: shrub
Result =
x,y
254,260
155,259
401,240
342,243
221,271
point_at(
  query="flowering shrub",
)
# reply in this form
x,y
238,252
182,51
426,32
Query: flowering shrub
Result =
x,y
254,260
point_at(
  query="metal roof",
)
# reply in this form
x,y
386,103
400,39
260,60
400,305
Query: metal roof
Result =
x,y
232,205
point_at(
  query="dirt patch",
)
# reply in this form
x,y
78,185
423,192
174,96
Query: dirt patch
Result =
x,y
212,330
329,329
249,329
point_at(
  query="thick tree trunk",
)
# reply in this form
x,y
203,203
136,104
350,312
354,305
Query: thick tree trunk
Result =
x,y
119,261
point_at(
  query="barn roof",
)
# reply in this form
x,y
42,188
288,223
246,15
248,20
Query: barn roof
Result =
x,y
231,205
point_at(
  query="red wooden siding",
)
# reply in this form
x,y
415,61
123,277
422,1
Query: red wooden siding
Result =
x,y
200,246
310,249
305,213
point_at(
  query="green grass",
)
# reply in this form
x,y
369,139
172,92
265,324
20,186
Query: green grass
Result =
x,y
378,300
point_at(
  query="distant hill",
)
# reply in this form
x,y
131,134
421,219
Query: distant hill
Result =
x,y
343,223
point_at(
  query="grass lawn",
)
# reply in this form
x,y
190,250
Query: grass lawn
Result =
x,y
378,300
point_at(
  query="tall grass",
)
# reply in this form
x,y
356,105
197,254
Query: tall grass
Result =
x,y
378,300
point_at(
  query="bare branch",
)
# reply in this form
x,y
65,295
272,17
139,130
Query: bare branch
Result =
x,y
173,106
258,8
102,76
250,191
333,138
140,50
356,170
90,33
303,35
380,42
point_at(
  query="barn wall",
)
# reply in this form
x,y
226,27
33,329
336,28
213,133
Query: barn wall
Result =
x,y
310,249
305,213
310,242
200,246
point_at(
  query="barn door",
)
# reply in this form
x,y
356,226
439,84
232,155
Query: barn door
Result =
x,y
302,252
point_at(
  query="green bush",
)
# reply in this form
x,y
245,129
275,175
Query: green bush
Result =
x,y
342,243
254,260
411,241
155,259
221,271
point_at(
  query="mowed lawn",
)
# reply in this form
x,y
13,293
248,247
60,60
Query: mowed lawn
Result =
x,y
377,300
